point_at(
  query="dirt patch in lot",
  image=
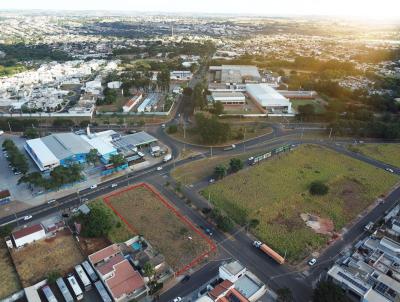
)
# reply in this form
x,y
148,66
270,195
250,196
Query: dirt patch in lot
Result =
x,y
9,282
148,213
91,245
35,261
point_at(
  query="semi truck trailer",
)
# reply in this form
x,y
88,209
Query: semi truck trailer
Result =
x,y
270,252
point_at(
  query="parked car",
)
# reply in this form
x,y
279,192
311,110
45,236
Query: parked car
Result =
x,y
51,201
27,217
75,210
312,262
212,180
178,299
114,185
389,170
159,168
185,279
93,186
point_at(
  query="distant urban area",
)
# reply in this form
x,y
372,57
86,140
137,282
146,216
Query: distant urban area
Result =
x,y
206,158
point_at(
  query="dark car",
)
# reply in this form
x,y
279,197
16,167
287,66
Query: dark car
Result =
x,y
185,279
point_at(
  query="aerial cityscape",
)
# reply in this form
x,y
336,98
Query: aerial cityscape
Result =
x,y
200,151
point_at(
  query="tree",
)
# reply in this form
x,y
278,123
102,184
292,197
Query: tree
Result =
x,y
220,171
211,130
31,133
284,295
187,91
172,129
53,276
327,291
148,270
117,160
235,164
5,231
97,223
253,223
92,157
318,188
306,112
218,108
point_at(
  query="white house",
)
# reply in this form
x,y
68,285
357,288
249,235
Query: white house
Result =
x,y
28,235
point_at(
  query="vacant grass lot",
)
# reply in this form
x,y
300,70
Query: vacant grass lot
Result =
x,y
387,153
318,105
169,234
9,282
276,193
35,261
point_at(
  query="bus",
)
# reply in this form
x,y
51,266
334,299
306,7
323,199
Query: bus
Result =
x,y
49,294
64,290
87,285
89,270
102,291
75,287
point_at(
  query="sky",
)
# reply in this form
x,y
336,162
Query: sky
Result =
x,y
377,9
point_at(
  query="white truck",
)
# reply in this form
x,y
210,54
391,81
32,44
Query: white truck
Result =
x,y
231,147
167,157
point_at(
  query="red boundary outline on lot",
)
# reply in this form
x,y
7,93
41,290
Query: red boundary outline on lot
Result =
x,y
194,262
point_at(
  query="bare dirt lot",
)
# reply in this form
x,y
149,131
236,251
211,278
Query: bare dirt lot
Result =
x,y
35,261
167,230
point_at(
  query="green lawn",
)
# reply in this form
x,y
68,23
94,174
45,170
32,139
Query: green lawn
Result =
x,y
276,193
319,107
387,153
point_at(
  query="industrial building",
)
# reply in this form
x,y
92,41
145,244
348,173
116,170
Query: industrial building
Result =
x,y
181,75
228,98
234,74
67,148
268,98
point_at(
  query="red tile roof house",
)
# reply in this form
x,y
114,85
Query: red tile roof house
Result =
x,y
28,235
119,276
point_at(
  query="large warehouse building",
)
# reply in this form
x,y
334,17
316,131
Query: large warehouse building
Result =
x,y
66,148
268,98
234,74
228,97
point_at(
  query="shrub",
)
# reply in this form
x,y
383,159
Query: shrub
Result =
x,y
318,188
172,129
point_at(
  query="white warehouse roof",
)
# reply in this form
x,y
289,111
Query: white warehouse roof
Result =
x,y
42,152
267,96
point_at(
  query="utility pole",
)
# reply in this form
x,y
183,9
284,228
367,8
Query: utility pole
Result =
x,y
330,133
9,126
211,151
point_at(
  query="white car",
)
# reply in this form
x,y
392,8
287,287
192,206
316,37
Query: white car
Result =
x,y
74,210
212,180
28,217
114,185
51,201
178,299
93,186
389,170
312,262
159,168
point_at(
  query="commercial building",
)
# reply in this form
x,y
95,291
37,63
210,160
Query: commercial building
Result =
x,y
122,281
5,197
234,74
235,98
28,235
149,103
181,75
133,101
57,149
68,148
268,98
132,142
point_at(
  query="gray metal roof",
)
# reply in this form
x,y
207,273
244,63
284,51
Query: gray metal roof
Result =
x,y
136,139
64,145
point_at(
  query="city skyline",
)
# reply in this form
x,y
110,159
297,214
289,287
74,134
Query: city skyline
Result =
x,y
353,8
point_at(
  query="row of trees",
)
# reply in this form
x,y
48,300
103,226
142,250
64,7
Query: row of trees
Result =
x,y
59,177
235,164
15,157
